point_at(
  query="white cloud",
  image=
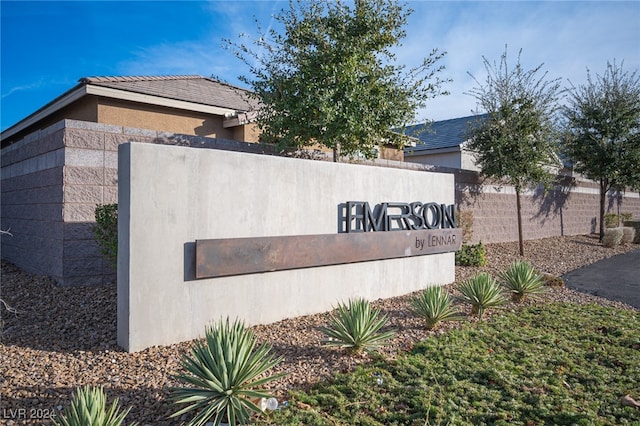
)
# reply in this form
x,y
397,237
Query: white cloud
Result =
x,y
25,87
567,37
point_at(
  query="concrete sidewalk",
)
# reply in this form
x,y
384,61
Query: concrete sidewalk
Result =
x,y
616,278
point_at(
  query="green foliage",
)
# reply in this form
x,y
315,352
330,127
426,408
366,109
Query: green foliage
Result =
x,y
515,143
224,374
556,364
356,326
106,231
522,280
471,255
612,237
625,217
611,220
433,305
482,292
89,407
330,78
603,130
465,223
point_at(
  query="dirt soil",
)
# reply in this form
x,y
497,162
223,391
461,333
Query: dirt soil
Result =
x,y
60,338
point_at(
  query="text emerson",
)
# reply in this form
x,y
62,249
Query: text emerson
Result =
x,y
393,216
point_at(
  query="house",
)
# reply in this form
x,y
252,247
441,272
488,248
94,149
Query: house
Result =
x,y
61,161
189,105
442,143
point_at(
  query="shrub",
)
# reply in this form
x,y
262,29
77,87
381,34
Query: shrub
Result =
x,y
465,223
356,327
224,373
106,231
482,292
433,305
471,255
625,217
612,237
521,280
89,407
628,235
610,220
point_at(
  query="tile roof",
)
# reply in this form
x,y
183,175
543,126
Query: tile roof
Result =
x,y
188,88
442,134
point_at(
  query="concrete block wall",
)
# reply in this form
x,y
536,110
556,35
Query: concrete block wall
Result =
x,y
53,179
32,202
565,211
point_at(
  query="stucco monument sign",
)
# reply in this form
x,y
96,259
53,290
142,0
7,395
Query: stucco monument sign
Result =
x,y
299,244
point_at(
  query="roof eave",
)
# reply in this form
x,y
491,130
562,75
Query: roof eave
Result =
x,y
108,92
50,108
84,89
427,151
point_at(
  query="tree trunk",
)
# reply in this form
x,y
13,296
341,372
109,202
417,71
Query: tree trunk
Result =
x,y
603,194
519,209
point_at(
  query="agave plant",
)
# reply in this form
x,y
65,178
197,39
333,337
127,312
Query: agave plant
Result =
x,y
356,327
433,305
483,292
225,373
89,407
521,280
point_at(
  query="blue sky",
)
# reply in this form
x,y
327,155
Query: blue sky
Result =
x,y
47,46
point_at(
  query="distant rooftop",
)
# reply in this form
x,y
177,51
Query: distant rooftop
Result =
x,y
442,134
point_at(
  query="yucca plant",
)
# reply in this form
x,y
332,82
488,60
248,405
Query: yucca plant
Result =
x,y
89,407
225,373
483,292
521,280
433,305
356,327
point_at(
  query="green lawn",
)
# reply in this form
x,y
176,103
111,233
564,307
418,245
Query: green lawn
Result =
x,y
556,364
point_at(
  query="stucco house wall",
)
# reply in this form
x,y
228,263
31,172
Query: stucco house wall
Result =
x,y
136,115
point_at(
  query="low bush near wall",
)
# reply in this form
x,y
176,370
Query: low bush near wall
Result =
x,y
471,255
106,231
628,235
612,220
635,224
465,222
612,237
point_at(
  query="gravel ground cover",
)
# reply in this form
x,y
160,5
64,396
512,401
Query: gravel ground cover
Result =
x,y
62,338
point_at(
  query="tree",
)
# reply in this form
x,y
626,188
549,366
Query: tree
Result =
x,y
603,131
515,142
329,77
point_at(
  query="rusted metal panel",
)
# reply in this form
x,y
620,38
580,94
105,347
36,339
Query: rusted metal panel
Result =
x,y
236,256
